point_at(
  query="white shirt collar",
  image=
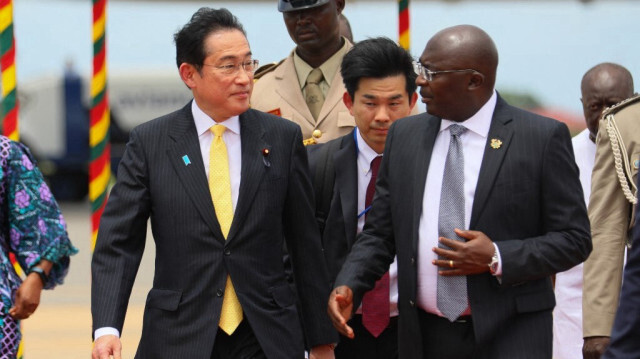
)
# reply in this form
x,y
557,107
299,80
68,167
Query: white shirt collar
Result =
x,y
365,153
204,122
480,122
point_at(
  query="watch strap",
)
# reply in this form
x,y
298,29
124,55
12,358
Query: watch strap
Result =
x,y
41,273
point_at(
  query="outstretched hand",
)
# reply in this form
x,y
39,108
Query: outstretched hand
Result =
x,y
340,308
464,258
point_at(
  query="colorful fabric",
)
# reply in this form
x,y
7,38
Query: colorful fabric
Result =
x,y
31,228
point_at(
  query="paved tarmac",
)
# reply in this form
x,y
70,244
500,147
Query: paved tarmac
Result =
x,y
61,326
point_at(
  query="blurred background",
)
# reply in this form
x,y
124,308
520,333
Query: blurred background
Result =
x,y
545,47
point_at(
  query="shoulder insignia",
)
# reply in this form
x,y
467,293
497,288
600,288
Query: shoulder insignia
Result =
x,y
620,105
265,69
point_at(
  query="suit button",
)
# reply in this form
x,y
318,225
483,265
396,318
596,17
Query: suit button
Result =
x,y
412,304
316,134
220,292
227,252
413,261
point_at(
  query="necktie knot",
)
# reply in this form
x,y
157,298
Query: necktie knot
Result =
x,y
457,130
218,130
315,76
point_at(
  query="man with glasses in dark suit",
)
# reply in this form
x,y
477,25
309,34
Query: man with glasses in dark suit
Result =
x,y
481,203
223,186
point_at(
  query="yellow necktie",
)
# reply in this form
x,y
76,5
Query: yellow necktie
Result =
x,y
220,188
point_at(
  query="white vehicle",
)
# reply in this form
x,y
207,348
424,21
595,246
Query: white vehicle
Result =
x,y
54,120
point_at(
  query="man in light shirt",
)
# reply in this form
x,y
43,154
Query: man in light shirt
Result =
x,y
481,202
380,83
602,86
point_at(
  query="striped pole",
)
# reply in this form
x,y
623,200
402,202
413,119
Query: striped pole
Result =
x,y
403,24
9,111
9,107
99,165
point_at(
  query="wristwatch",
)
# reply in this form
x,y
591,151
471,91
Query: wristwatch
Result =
x,y
43,276
493,265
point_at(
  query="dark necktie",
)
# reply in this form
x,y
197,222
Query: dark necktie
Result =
x,y
452,291
375,303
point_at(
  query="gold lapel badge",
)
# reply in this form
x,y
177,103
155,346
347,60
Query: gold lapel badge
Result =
x,y
495,143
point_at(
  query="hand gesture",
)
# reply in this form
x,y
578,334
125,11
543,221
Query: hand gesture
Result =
x,y
340,308
464,258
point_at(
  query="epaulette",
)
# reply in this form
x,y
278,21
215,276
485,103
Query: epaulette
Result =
x,y
265,69
620,105
621,161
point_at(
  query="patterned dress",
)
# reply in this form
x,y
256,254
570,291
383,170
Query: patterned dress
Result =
x,y
31,228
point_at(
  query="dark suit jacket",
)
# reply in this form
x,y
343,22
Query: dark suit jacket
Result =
x,y
624,336
528,200
192,257
341,223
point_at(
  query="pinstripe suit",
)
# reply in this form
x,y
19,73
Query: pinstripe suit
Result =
x,y
528,200
192,257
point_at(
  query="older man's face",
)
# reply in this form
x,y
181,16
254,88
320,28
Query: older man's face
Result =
x,y
220,94
446,94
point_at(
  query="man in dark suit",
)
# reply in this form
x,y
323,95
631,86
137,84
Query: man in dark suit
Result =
x,y
224,186
481,203
381,88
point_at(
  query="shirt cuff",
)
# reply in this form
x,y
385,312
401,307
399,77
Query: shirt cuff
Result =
x,y
498,272
100,332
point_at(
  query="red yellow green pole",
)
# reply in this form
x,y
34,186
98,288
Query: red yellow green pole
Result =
x,y
99,165
403,24
9,107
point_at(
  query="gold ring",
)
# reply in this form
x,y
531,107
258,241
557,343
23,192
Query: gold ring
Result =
x,y
451,263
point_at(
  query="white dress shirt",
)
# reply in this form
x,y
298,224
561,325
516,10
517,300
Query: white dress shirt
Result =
x,y
567,315
231,139
473,141
365,155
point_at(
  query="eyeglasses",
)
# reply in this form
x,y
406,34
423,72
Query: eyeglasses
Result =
x,y
249,66
428,75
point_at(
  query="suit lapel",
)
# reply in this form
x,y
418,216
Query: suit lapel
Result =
x,y
492,159
345,164
186,159
253,166
424,149
289,89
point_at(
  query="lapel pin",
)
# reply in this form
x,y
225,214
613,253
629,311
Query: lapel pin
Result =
x,y
186,160
495,143
265,157
636,164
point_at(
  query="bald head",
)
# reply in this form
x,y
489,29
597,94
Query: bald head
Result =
x,y
603,86
470,47
473,57
609,75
